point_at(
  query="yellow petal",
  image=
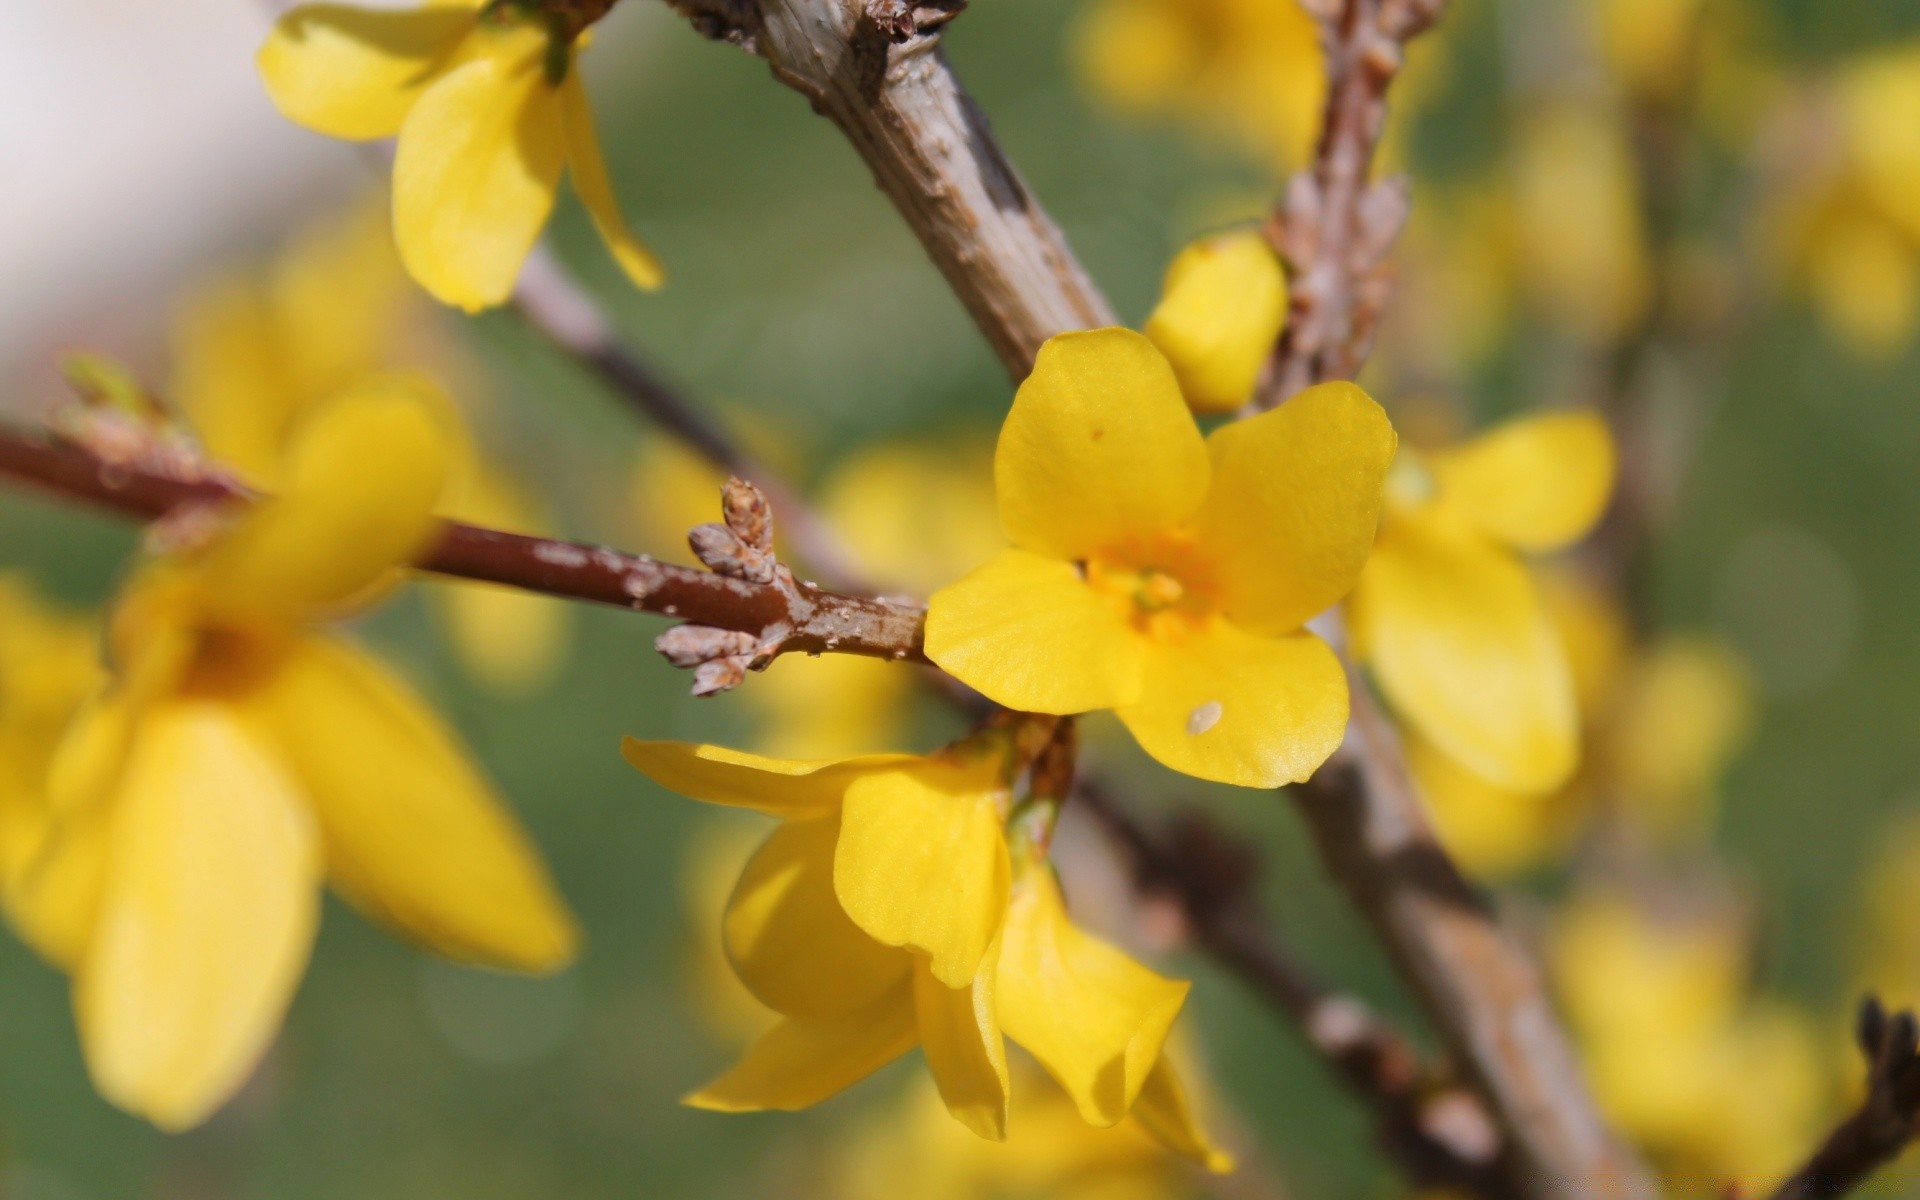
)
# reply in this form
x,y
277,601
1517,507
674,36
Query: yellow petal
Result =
x,y
780,787
799,1063
230,381
363,477
1221,308
1493,832
55,898
964,1049
415,835
589,172
790,941
353,72
1290,518
206,921
1164,1112
922,861
1536,483
1461,643
1027,632
476,171
1099,449
1228,706
1092,1016
511,641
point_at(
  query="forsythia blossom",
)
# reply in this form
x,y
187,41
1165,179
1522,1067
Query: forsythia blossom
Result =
x,y
1447,614
1221,308
257,351
888,911
239,756
486,101
1165,575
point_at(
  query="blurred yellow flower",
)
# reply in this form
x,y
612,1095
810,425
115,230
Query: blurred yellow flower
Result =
x,y
49,666
1249,69
1221,309
255,353
886,911
1165,575
239,756
1851,231
1581,244
1661,724
912,1148
488,107
1717,1087
1447,614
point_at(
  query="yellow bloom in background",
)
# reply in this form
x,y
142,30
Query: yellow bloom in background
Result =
x,y
1168,576
1250,70
717,855
886,911
49,666
240,756
256,352
1717,1087
1448,616
1222,306
1685,709
912,1148
1850,233
488,108
1582,244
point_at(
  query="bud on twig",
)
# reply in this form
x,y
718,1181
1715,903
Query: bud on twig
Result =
x,y
691,645
747,514
720,675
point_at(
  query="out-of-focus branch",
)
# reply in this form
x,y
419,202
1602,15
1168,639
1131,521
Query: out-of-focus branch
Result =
x,y
1336,224
775,612
556,307
1887,1119
876,70
1437,1131
1482,991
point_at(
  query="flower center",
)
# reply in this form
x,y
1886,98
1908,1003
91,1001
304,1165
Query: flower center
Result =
x,y
1157,590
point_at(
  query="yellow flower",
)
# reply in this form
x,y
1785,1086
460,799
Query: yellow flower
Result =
x,y
886,911
1167,576
1851,232
489,110
240,756
1250,69
49,666
1447,614
912,1148
256,352
1716,1086
1582,244
1685,708
1221,308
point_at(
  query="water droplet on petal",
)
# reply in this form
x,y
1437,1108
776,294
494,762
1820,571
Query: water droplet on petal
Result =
x,y
1204,717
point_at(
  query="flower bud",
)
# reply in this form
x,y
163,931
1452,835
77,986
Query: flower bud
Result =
x,y
1221,309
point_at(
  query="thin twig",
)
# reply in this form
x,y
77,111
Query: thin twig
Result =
x,y
1336,224
1438,1132
1887,1119
782,614
554,305
883,79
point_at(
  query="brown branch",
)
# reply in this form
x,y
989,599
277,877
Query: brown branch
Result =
x,y
1886,1121
782,614
1336,224
883,79
1439,1133
1482,990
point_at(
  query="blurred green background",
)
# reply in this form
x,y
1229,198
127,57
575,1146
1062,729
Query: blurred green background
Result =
x,y
801,303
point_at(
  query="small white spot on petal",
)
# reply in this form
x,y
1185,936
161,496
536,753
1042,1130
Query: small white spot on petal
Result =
x,y
1203,718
